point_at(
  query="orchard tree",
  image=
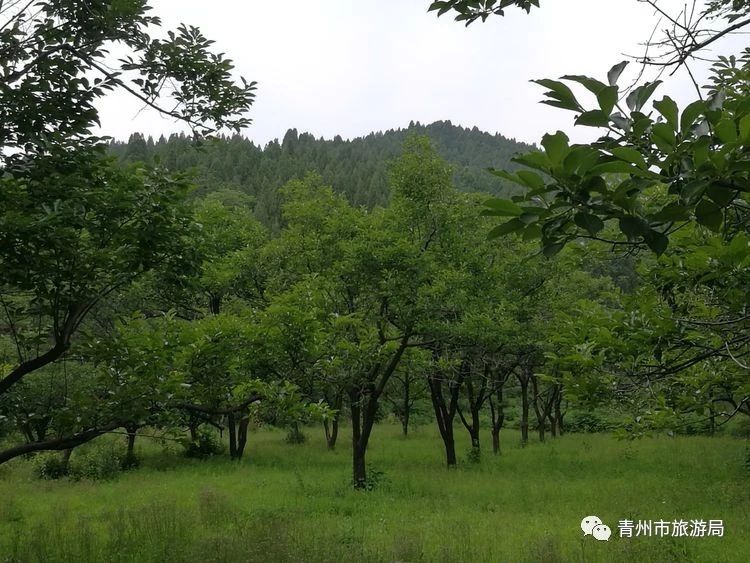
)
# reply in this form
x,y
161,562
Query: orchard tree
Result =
x,y
74,227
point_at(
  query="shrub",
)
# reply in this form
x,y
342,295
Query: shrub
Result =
x,y
740,427
50,466
130,461
586,422
295,435
205,446
99,463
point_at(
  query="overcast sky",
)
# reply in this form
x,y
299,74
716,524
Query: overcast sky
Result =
x,y
349,67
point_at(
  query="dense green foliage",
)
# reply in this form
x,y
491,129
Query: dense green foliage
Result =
x,y
357,168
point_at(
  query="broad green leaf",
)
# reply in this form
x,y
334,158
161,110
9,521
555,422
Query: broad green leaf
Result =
x,y
506,228
607,99
537,160
638,97
668,108
663,136
556,146
720,195
656,241
589,222
745,129
690,114
632,227
629,154
671,212
591,84
708,214
726,130
531,179
594,118
502,208
561,96
551,250
613,167
614,73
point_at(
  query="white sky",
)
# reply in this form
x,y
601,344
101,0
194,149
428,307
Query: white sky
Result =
x,y
350,67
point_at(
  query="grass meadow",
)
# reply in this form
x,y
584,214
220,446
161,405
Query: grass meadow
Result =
x,y
294,503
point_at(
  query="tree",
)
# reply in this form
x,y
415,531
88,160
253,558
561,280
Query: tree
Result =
x,y
653,176
74,227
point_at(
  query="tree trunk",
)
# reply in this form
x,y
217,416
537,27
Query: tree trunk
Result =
x,y
214,304
497,413
559,414
359,473
193,432
524,383
552,425
232,436
407,409
242,436
332,432
444,415
132,431
66,458
359,468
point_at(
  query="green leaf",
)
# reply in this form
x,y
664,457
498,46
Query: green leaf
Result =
x,y
506,228
537,160
745,129
533,231
531,179
613,167
632,227
668,108
503,207
721,195
589,222
638,97
556,146
690,114
607,99
594,118
561,96
708,214
656,241
591,84
664,137
552,249
669,213
629,154
726,130
614,73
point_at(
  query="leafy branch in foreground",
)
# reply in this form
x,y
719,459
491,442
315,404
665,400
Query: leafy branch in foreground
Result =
x,y
652,172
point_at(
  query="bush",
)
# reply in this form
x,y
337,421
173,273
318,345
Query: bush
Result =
x,y
99,463
740,427
50,466
588,422
205,446
130,461
295,435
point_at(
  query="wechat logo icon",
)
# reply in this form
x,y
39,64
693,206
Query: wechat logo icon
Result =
x,y
593,526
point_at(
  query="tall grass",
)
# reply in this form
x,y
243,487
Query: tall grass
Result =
x,y
293,503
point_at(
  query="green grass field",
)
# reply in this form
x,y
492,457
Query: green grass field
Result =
x,y
294,503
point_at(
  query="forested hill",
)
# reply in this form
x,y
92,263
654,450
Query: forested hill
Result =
x,y
357,168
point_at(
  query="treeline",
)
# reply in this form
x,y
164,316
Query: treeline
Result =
x,y
357,168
